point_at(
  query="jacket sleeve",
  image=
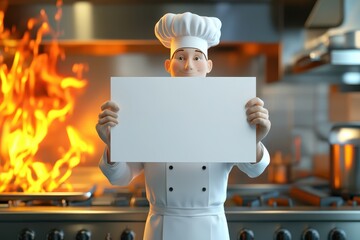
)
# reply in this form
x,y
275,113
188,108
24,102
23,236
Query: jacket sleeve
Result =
x,y
119,173
255,169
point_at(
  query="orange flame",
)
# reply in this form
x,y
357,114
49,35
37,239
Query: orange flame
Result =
x,y
33,97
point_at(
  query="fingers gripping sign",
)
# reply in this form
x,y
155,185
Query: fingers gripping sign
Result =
x,y
108,118
258,115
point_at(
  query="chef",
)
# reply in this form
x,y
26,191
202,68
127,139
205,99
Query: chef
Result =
x,y
186,199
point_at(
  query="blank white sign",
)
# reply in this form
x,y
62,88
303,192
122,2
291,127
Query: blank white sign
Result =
x,y
183,119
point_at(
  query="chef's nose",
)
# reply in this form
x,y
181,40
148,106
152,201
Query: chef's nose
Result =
x,y
188,64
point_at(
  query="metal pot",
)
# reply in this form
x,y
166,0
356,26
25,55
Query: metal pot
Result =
x,y
344,142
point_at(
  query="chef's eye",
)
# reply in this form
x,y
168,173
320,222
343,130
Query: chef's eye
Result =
x,y
198,58
181,58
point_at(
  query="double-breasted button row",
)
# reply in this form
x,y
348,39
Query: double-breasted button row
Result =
x,y
203,168
171,167
172,189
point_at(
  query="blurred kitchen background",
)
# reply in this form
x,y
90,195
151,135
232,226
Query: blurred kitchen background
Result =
x,y
286,44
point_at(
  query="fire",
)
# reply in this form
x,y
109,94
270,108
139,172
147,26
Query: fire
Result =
x,y
34,98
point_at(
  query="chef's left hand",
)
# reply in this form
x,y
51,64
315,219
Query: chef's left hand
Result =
x,y
259,116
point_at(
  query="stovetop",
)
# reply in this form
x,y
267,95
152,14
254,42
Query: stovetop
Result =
x,y
254,211
312,194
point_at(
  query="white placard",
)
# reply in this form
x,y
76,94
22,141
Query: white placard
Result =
x,y
183,119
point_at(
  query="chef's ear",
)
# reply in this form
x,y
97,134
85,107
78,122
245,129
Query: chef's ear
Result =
x,y
167,65
209,65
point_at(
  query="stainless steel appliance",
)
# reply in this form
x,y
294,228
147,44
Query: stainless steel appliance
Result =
x,y
345,158
303,210
330,54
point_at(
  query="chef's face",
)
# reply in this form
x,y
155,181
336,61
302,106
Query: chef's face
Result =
x,y
188,62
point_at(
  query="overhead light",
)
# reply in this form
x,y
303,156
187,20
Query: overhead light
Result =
x,y
351,78
83,13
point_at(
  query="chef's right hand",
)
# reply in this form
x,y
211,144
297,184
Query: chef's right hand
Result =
x,y
107,118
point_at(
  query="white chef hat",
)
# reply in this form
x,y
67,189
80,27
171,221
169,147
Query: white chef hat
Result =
x,y
176,31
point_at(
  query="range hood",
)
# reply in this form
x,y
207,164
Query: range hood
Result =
x,y
111,27
336,55
332,54
251,28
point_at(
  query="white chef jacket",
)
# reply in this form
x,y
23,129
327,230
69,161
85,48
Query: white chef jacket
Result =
x,y
186,199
